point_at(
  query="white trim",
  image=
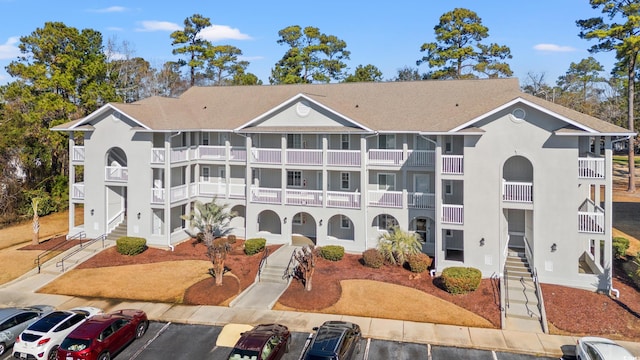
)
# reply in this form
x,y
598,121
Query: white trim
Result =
x,y
528,103
291,101
102,110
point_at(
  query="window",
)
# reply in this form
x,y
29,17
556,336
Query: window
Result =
x,y
386,182
344,181
448,233
448,144
387,141
294,141
294,178
386,222
344,142
297,219
205,138
345,223
448,188
70,322
206,173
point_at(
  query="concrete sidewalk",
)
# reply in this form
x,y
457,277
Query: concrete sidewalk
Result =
x,y
22,293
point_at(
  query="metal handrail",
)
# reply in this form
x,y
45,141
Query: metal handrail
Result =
x,y
38,260
506,288
60,263
263,261
543,313
289,272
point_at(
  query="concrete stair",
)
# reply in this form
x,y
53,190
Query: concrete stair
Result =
x,y
522,310
118,232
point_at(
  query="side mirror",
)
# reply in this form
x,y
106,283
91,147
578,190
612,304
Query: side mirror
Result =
x,y
315,328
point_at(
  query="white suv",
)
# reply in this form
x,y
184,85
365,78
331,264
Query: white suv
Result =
x,y
41,339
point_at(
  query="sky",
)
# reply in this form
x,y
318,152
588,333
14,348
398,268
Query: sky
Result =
x,y
542,34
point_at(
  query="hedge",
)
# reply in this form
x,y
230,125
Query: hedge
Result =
x,y
419,262
461,280
620,246
254,246
373,258
131,245
332,252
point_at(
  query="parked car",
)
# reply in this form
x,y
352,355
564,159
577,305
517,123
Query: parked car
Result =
x,y
102,336
14,320
263,342
334,340
596,348
42,338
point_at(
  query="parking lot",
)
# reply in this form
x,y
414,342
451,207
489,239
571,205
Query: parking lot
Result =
x,y
180,341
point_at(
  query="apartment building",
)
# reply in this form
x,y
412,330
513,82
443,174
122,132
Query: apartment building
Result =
x,y
475,167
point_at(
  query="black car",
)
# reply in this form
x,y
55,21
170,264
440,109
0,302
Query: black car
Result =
x,y
334,340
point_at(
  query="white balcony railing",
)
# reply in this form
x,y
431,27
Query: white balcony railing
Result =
x,y
343,157
514,191
78,191
179,154
385,198
266,156
179,193
236,191
421,200
591,168
591,222
304,156
303,197
237,153
266,195
206,152
385,157
207,188
157,196
452,164
157,156
453,214
421,158
116,173
78,153
343,199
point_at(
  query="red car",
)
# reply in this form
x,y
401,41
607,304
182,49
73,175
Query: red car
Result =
x,y
103,335
263,342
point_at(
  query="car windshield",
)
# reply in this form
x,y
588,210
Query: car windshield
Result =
x,y
72,344
48,322
239,354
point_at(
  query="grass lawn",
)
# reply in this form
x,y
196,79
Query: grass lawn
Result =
x,y
624,160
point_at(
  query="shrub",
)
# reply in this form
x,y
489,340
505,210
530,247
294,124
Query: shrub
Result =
x,y
131,245
461,280
620,246
373,258
396,245
332,252
254,246
419,262
231,239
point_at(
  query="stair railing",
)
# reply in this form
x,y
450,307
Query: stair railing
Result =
x,y
40,259
289,272
543,313
79,248
263,261
506,288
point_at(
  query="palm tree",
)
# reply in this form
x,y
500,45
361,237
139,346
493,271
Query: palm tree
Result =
x,y
396,245
212,222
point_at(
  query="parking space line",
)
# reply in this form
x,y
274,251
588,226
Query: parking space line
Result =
x,y
150,341
495,356
366,349
306,345
429,357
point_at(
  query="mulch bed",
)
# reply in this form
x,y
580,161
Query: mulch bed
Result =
x,y
60,240
326,287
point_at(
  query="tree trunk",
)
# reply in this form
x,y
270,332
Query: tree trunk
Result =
x,y
35,238
632,166
307,279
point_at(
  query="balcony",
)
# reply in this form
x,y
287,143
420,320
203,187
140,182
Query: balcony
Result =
x,y
417,200
343,157
266,156
453,164
304,156
385,198
514,191
453,214
77,155
591,168
116,173
303,197
421,158
343,199
78,191
266,195
385,157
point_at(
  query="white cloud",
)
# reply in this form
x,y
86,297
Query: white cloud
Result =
x,y
110,9
115,28
151,25
554,48
9,50
222,32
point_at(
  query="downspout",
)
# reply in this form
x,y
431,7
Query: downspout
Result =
x,y
168,198
365,191
247,175
611,288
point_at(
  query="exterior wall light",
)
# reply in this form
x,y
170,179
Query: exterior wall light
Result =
x,y
320,222
138,216
284,221
554,247
91,212
482,242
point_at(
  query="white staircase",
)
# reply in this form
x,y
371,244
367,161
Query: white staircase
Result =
x,y
522,311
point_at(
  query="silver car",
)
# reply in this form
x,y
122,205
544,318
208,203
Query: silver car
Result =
x,y
596,348
14,320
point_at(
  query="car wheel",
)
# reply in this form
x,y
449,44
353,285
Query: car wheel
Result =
x,y
141,329
104,356
53,354
3,347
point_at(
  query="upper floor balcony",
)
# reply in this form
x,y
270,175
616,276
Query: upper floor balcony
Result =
x,y
116,173
452,214
202,152
517,191
184,192
591,218
78,191
591,168
77,154
453,164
